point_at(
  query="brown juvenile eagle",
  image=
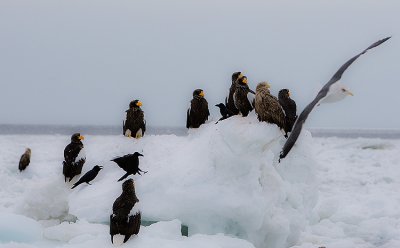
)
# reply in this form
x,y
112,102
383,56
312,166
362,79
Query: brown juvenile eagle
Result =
x,y
268,108
25,160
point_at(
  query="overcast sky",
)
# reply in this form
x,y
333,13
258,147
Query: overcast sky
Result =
x,y
82,62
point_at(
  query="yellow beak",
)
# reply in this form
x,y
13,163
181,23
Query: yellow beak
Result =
x,y
201,94
289,94
139,104
349,93
81,137
245,80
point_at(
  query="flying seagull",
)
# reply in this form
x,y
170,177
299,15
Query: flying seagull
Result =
x,y
332,91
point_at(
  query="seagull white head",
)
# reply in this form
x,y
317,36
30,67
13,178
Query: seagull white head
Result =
x,y
337,92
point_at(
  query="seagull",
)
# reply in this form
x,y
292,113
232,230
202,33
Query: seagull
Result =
x,y
332,91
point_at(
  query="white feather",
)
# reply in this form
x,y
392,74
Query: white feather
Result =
x,y
81,155
135,209
128,133
118,239
139,134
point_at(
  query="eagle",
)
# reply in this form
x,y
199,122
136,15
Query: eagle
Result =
x,y
267,107
229,101
25,160
198,112
74,157
135,124
243,100
289,106
126,216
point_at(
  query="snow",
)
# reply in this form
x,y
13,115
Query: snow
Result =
x,y
222,181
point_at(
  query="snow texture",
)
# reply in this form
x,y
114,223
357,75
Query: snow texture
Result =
x,y
222,181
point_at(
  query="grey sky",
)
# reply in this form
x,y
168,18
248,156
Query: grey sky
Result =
x,y
81,62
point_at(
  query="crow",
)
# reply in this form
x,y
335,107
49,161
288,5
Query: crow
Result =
x,y
89,176
130,164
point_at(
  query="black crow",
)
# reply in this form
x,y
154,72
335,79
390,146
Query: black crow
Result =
x,y
130,164
89,176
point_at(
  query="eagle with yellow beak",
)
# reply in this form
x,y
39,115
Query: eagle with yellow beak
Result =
x,y
198,112
135,124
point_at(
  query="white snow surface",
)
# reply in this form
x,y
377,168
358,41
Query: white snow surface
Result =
x,y
222,181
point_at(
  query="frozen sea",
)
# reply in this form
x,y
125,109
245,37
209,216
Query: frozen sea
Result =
x,y
339,188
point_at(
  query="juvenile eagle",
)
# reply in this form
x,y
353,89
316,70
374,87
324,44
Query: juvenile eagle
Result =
x,y
198,112
25,160
267,106
135,124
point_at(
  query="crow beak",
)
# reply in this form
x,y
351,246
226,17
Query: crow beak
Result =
x,y
140,155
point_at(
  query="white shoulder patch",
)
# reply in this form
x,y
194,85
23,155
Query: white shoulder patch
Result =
x,y
135,209
81,155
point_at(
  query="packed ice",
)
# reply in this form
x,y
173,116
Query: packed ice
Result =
x,y
223,182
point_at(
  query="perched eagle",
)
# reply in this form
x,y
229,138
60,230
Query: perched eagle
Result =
x,y
126,216
229,101
198,112
243,100
267,106
289,106
134,125
25,160
74,157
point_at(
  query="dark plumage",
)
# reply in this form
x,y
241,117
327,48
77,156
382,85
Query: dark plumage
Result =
x,y
130,164
135,124
289,106
198,112
74,157
332,91
243,100
229,101
268,108
89,176
225,112
125,219
25,160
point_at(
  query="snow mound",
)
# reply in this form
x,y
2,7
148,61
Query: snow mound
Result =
x,y
219,179
11,231
47,199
